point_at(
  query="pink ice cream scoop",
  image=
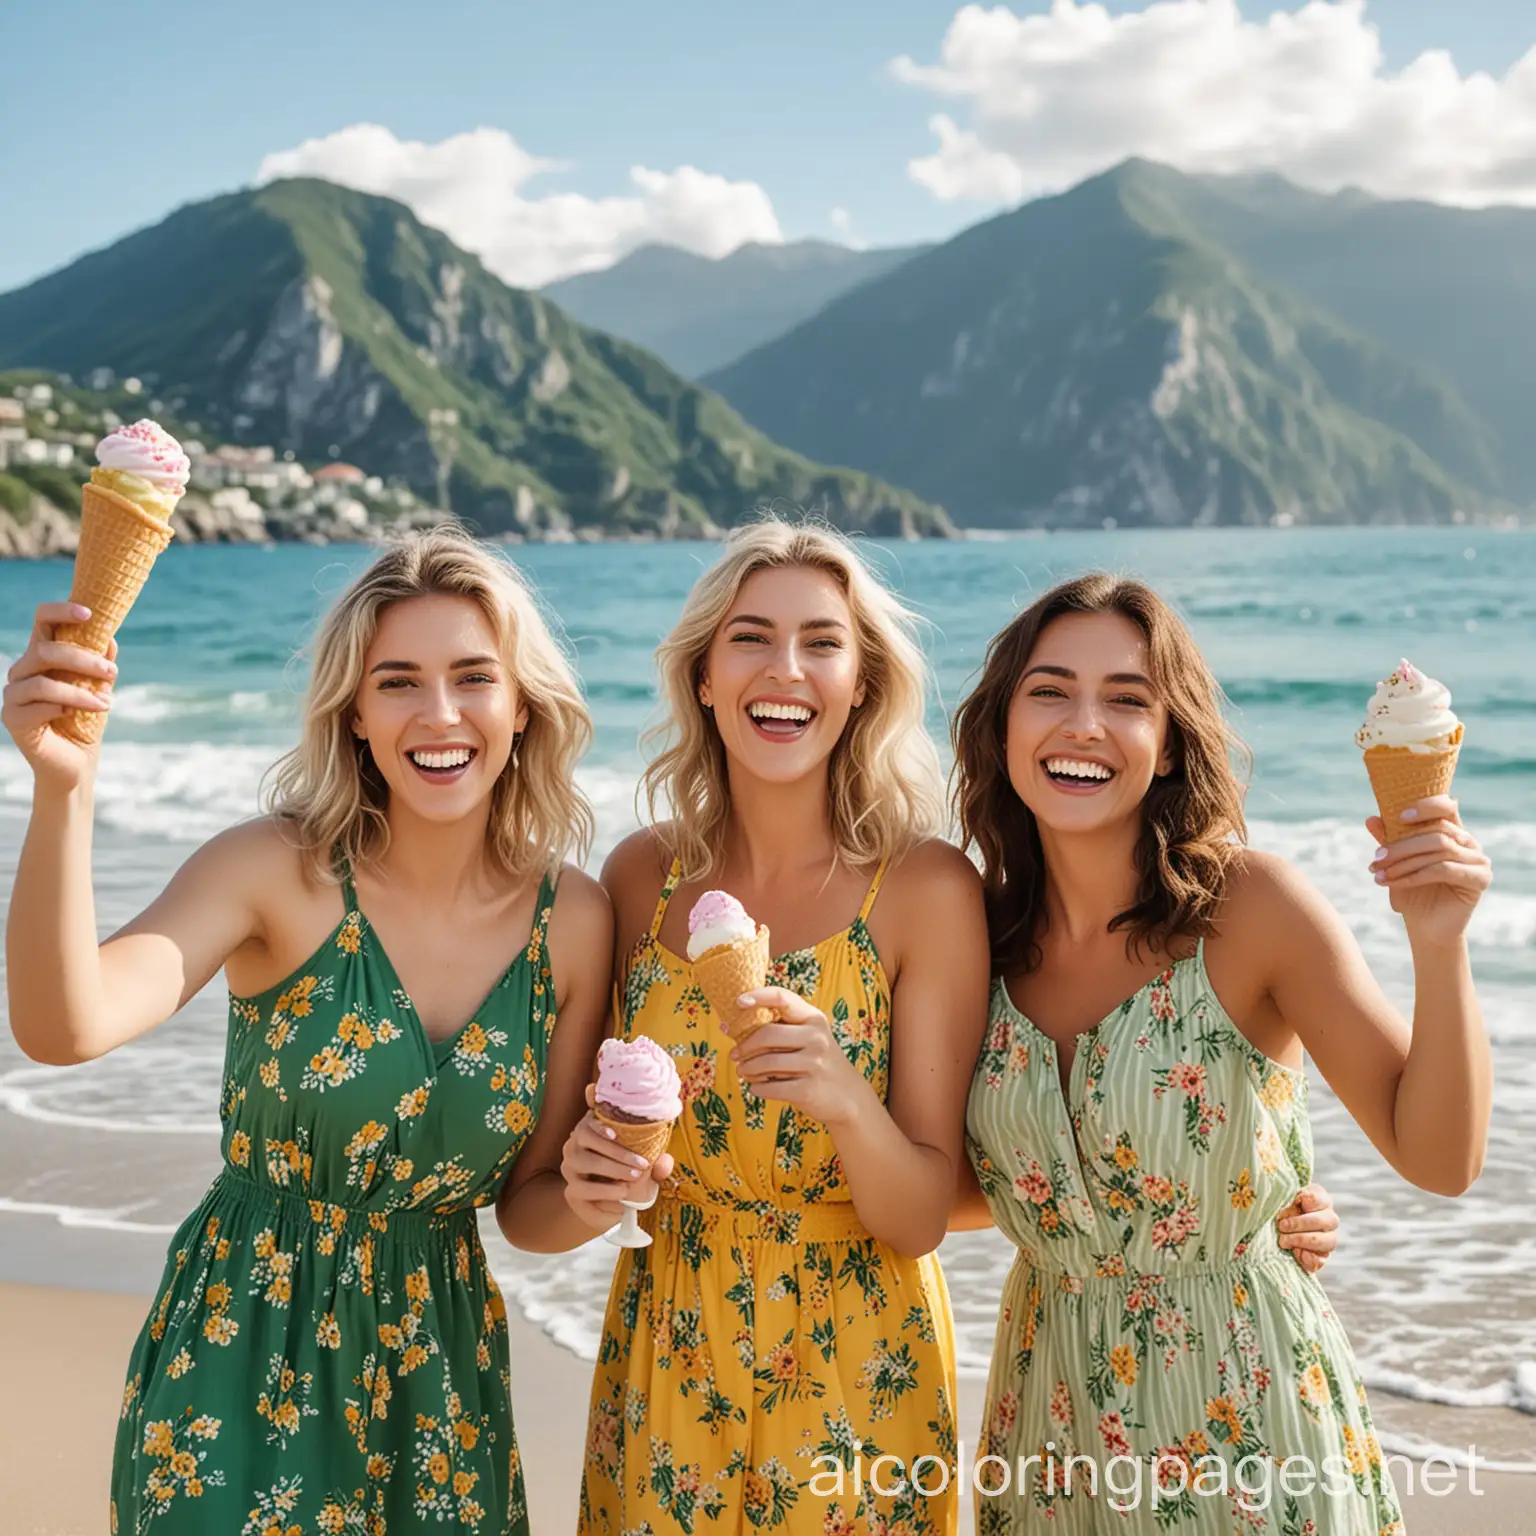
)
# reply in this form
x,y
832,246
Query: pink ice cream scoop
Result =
x,y
718,918
637,1078
147,450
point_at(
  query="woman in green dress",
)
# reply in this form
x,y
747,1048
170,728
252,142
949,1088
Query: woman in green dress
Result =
x,y
1138,1116
328,1351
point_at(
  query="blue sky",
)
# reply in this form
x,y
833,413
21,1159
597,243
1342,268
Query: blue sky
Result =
x,y
112,116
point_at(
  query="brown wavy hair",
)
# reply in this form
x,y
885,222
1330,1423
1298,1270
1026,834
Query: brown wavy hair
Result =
x,y
1192,817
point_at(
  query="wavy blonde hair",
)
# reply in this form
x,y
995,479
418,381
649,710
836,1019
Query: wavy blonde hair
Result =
x,y
886,784
330,795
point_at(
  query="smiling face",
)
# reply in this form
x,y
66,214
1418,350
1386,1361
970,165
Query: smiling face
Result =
x,y
1087,733
436,705
782,672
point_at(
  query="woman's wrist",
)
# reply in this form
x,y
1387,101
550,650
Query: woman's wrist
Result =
x,y
1429,950
860,1101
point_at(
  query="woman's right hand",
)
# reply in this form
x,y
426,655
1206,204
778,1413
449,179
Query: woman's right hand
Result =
x,y
33,700
599,1173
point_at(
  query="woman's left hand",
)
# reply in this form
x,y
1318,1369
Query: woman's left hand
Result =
x,y
798,1060
1309,1228
1436,877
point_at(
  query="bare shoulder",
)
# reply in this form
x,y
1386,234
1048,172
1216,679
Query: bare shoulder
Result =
x,y
581,904
932,871
640,860
580,928
1264,891
930,904
633,875
259,858
1273,918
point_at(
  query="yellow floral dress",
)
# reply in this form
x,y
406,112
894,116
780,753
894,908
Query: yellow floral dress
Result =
x,y
766,1350
328,1352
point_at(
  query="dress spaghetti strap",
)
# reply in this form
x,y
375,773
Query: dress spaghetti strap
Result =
x,y
673,876
874,891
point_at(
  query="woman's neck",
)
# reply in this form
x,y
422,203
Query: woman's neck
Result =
x,y
775,829
1090,878
437,864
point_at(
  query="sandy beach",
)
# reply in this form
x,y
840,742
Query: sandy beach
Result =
x,y
62,1355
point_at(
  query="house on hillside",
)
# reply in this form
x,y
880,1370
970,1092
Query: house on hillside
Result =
x,y
12,412
36,451
335,483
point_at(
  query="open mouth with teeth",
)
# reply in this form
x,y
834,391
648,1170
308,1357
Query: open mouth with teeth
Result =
x,y
1077,773
780,722
441,765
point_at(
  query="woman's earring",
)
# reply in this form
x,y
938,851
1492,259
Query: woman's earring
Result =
x,y
517,742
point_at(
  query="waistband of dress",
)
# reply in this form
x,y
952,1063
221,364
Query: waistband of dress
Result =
x,y
335,1218
1260,1251
835,1222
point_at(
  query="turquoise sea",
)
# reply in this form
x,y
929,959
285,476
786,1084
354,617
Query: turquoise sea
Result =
x,y
98,1163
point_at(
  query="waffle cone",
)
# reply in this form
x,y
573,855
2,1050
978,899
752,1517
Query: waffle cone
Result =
x,y
119,541
648,1140
725,972
1400,777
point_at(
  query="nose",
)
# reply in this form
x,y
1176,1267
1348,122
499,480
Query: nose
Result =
x,y
1083,721
785,665
439,712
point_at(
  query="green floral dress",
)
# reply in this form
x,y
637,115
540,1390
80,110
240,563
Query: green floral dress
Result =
x,y
328,1353
1150,1319
760,1357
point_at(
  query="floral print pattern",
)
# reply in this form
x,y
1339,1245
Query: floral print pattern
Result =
x,y
1150,1314
764,1342
328,1352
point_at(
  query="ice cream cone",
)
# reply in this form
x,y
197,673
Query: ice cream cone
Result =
x,y
1400,777
119,541
725,972
647,1138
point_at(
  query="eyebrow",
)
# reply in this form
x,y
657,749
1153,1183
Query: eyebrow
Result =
x,y
762,623
1071,676
453,666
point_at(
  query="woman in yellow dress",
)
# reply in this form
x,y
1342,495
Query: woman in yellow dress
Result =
x,y
789,1326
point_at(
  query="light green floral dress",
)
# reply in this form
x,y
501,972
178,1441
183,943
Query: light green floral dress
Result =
x,y
328,1353
1150,1315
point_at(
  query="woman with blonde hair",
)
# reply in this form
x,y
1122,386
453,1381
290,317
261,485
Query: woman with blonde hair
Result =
x,y
328,1351
1138,1118
783,1352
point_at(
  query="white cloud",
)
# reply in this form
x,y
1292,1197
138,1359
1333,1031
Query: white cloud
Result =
x,y
1052,98
842,226
471,187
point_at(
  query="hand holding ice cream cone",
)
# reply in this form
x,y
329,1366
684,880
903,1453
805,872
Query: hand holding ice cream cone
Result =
x,y
1434,869
125,514
617,1154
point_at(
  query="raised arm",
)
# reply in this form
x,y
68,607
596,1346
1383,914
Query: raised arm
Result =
x,y
70,998
901,1157
531,1209
1422,1094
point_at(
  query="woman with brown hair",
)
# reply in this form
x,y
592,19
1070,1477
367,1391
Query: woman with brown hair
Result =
x,y
1138,1116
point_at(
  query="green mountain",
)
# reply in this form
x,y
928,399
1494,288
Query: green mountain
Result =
x,y
1452,288
1103,354
333,323
697,314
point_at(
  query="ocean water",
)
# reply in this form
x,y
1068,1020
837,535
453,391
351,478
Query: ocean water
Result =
x,y
1439,1296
